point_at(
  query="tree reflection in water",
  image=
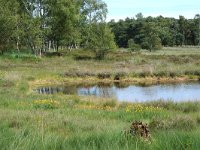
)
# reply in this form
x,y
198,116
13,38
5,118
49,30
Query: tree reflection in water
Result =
x,y
124,92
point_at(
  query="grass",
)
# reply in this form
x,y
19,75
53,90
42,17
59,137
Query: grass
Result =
x,y
32,121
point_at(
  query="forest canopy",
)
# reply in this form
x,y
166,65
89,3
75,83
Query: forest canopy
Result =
x,y
152,32
49,25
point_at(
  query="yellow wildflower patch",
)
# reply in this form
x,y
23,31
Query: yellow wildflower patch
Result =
x,y
141,108
2,73
94,107
46,104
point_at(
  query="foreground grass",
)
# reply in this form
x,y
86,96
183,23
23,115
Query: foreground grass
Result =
x,y
70,122
32,121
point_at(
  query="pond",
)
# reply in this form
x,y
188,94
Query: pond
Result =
x,y
131,93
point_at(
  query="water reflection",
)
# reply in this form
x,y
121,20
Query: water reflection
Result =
x,y
105,92
176,92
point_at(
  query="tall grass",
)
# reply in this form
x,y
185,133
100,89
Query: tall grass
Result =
x,y
32,121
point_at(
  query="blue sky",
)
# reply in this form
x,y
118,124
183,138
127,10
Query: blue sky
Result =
x,y
120,9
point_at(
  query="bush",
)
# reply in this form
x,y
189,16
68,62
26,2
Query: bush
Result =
x,y
133,46
152,43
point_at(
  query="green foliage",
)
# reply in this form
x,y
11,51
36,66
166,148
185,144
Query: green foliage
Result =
x,y
44,26
63,21
133,46
45,104
179,123
154,32
47,26
32,121
7,24
105,75
101,40
120,75
151,40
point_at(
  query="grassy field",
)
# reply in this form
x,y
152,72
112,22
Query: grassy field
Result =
x,y
32,121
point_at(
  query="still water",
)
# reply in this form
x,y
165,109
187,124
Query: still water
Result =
x,y
132,93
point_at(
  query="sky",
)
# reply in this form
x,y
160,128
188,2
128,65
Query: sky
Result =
x,y
121,9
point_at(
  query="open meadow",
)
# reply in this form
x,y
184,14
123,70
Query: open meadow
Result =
x,y
29,120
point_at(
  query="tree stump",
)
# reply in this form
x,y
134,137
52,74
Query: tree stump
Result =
x,y
139,129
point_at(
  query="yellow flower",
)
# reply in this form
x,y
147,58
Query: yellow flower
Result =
x,y
46,103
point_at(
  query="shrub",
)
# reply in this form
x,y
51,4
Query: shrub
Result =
x,y
133,46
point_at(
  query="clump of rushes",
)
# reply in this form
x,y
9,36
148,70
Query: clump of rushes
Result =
x,y
79,74
145,74
178,122
45,104
120,75
161,74
104,75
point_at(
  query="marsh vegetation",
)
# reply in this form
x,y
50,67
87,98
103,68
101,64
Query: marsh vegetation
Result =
x,y
29,120
69,43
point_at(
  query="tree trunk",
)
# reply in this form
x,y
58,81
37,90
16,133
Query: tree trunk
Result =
x,y
49,47
57,46
54,47
31,45
18,45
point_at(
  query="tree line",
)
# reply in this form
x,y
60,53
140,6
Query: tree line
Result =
x,y
154,32
49,25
